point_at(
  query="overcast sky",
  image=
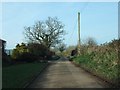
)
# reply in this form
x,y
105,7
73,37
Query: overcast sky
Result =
x,y
98,19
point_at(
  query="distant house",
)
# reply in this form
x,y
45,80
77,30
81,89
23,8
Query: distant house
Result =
x,y
2,45
5,59
8,51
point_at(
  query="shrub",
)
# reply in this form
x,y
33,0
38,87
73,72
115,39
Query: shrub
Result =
x,y
37,49
31,52
27,57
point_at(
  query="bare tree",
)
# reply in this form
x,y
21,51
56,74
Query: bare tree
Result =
x,y
90,41
61,47
48,33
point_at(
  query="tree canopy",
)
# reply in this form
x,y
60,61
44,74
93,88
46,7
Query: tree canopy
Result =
x,y
48,33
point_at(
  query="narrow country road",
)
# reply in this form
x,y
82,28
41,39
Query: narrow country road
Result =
x,y
63,74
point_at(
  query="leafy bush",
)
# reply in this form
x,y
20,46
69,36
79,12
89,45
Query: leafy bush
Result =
x,y
19,51
31,52
37,49
27,57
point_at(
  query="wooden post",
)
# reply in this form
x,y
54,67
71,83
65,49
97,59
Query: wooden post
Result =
x,y
78,33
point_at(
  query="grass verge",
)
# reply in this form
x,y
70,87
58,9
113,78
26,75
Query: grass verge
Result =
x,y
102,70
18,75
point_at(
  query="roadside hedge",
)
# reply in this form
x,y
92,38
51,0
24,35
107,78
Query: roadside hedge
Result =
x,y
102,60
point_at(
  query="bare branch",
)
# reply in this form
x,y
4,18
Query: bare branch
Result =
x,y
47,33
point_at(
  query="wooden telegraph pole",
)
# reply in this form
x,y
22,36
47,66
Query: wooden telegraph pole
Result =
x,y
78,33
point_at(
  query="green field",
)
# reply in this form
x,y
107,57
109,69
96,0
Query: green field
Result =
x,y
17,76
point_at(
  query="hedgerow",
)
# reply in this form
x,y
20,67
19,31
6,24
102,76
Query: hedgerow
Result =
x,y
101,59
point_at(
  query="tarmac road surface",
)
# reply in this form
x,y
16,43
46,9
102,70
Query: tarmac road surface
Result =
x,y
63,74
